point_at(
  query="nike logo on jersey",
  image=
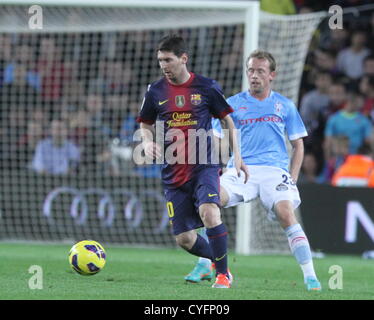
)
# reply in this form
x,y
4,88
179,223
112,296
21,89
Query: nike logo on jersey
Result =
x,y
160,103
243,108
212,194
220,258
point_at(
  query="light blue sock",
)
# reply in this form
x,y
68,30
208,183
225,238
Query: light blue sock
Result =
x,y
205,261
299,244
300,248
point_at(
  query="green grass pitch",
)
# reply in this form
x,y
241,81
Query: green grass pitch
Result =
x,y
144,274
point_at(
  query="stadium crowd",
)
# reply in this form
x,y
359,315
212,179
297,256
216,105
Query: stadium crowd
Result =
x,y
336,98
53,120
49,108
337,103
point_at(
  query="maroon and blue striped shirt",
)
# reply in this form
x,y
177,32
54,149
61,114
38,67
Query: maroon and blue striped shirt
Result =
x,y
190,105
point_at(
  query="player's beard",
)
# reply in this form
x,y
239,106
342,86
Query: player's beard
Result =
x,y
256,89
170,76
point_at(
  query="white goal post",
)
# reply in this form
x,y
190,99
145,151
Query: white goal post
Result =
x,y
119,35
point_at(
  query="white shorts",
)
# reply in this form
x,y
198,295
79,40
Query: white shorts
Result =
x,y
271,184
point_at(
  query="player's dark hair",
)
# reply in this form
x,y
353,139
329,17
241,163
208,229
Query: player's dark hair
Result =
x,y
173,43
261,54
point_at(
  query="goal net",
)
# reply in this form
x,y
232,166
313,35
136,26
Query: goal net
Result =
x,y
70,93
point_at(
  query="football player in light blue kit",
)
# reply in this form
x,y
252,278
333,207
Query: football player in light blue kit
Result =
x,y
263,116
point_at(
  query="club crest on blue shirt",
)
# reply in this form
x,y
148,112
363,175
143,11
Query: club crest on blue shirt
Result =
x,y
195,99
281,187
278,107
179,101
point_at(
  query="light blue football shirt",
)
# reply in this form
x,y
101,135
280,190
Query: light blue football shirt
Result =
x,y
263,125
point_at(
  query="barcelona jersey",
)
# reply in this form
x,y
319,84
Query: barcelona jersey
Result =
x,y
182,110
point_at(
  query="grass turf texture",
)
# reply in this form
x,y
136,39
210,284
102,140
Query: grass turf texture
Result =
x,y
143,274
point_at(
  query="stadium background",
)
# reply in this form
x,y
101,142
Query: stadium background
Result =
x,y
94,80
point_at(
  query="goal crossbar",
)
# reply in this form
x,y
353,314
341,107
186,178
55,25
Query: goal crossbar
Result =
x,y
232,5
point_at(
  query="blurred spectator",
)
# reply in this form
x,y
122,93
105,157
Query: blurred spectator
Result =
x,y
129,125
122,147
24,56
93,142
367,89
13,126
335,40
113,78
73,93
325,60
371,33
371,179
38,115
51,70
337,93
28,142
230,61
32,78
73,88
18,92
340,150
71,69
349,122
56,154
6,47
79,122
356,169
94,106
305,10
309,168
369,64
319,60
96,84
315,100
314,141
121,115
337,96
5,53
350,60
148,171
118,77
278,7
96,155
80,118
116,108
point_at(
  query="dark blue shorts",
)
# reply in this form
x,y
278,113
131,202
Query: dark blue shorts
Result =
x,y
183,202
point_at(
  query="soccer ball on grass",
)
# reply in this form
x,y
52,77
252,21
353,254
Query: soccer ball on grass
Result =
x,y
87,257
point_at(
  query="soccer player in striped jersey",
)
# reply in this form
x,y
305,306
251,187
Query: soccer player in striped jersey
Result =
x,y
263,116
186,102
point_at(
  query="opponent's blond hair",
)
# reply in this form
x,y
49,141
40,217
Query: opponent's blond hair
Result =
x,y
262,54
